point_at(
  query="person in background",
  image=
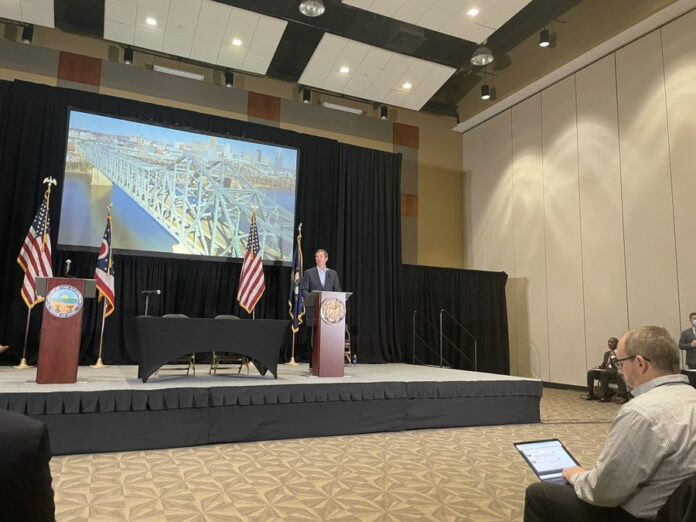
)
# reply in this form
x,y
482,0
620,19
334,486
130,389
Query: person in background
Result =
x,y
605,373
649,451
687,342
25,476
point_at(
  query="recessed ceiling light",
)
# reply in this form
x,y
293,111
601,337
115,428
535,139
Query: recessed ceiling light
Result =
x,y
344,70
472,12
236,42
151,21
407,85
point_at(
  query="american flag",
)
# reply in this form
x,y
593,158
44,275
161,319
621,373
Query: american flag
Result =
x,y
104,274
251,282
295,301
35,255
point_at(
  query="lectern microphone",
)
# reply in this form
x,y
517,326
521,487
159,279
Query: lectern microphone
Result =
x,y
68,262
151,292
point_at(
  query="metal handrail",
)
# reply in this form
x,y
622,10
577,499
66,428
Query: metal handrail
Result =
x,y
462,327
413,342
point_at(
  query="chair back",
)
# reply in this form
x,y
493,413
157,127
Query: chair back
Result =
x,y
223,316
681,505
175,316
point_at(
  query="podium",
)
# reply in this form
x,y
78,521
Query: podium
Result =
x,y
329,332
61,327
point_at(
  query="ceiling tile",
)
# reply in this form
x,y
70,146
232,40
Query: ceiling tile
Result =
x,y
478,33
386,7
148,38
39,12
204,52
177,45
210,34
123,11
117,32
256,64
157,9
411,12
214,13
10,9
230,57
181,27
434,20
449,7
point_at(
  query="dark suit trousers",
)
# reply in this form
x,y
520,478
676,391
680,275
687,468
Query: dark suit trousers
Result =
x,y
546,502
604,377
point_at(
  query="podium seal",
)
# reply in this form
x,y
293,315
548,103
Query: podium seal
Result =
x,y
64,301
332,310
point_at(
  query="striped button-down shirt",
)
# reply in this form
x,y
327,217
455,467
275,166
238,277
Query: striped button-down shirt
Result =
x,y
650,449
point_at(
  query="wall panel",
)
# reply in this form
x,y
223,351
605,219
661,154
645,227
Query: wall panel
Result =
x,y
530,255
679,52
498,216
567,362
474,172
651,275
604,273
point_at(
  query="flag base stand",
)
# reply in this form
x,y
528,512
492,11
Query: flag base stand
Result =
x,y
292,361
99,364
23,365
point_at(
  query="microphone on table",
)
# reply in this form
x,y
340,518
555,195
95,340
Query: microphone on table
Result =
x,y
151,292
68,262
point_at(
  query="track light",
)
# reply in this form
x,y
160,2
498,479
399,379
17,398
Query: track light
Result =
x,y
544,38
128,56
27,34
482,56
306,96
485,92
229,79
312,8
384,112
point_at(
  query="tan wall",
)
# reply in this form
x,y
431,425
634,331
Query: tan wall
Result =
x,y
583,193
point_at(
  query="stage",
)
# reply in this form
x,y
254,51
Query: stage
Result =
x,y
110,409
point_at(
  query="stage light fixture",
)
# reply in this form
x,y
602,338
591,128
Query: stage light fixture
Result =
x,y
229,79
27,34
485,92
544,38
312,8
306,96
128,56
482,56
384,112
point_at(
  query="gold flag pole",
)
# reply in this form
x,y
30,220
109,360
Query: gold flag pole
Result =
x,y
292,357
100,362
23,365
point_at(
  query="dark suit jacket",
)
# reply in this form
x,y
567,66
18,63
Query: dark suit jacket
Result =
x,y
685,344
25,478
311,282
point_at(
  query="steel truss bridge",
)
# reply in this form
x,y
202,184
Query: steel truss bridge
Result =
x,y
201,203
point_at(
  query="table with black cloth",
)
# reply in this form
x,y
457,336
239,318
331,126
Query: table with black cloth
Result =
x,y
161,340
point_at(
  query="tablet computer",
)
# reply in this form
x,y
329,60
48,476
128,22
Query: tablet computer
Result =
x,y
547,458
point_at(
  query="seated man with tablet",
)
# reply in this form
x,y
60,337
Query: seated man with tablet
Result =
x,y
649,451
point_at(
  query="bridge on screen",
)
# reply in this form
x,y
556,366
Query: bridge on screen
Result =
x,y
205,204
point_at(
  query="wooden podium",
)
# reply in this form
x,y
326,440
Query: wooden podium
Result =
x,y
329,332
61,327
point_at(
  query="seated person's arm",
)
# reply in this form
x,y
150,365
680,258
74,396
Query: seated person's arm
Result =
x,y
622,466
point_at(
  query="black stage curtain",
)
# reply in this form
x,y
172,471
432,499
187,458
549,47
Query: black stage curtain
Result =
x,y
476,299
332,202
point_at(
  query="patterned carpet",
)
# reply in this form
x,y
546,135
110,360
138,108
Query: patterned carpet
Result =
x,y
450,474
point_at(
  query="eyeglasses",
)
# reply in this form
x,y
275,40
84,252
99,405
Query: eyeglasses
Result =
x,y
619,362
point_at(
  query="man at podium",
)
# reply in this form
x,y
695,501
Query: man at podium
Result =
x,y
321,278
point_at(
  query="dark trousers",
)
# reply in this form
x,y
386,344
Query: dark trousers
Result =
x,y
604,377
546,502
